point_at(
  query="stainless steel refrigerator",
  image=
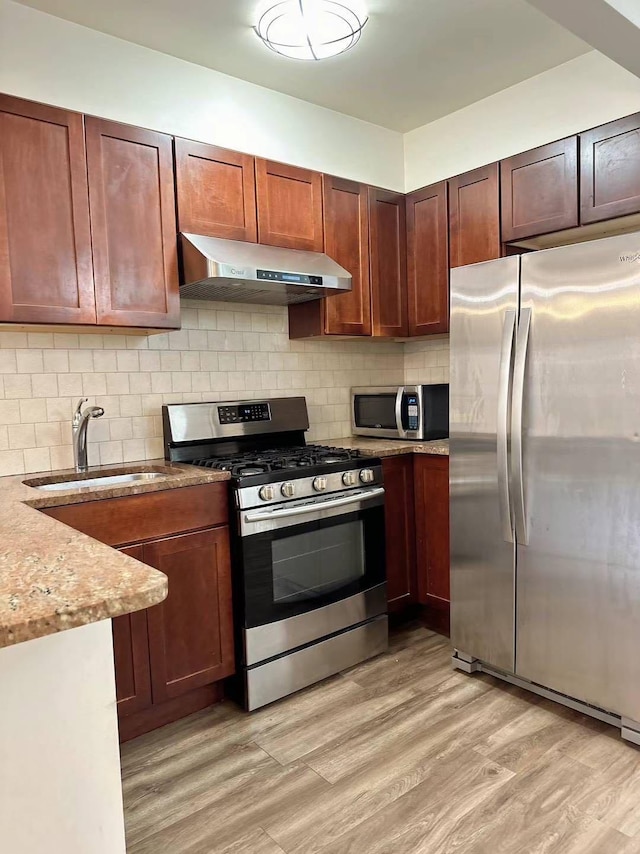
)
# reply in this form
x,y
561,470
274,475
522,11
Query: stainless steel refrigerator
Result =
x,y
545,474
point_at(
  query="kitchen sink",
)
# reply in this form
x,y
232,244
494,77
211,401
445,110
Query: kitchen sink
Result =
x,y
98,480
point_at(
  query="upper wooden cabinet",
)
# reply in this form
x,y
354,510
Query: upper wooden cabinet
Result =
x,y
346,230
539,190
216,191
46,273
428,260
388,248
610,170
289,206
474,216
133,223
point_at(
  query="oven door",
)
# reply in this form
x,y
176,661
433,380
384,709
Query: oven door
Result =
x,y
325,556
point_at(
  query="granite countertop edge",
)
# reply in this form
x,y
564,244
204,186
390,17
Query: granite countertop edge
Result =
x,y
392,447
54,578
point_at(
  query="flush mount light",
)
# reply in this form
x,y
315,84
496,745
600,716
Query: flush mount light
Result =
x,y
311,29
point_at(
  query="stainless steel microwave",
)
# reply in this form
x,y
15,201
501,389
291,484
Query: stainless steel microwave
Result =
x,y
417,412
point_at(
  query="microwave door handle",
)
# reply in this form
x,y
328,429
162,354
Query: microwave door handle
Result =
x,y
266,515
398,410
517,473
502,432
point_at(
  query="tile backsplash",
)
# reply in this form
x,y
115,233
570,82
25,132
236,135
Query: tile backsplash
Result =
x,y
222,352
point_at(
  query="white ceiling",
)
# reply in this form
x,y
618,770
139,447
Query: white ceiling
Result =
x,y
417,60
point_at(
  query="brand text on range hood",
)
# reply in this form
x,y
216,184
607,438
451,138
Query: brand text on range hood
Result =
x,y
235,271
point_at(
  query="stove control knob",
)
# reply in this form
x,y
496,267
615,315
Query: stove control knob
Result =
x,y
319,484
266,493
367,476
288,489
350,478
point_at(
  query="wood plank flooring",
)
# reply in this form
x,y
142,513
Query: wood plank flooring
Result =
x,y
399,755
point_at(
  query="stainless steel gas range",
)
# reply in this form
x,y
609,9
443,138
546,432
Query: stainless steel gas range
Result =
x,y
308,546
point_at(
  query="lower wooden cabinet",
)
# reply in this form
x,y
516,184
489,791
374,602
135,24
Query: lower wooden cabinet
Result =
x,y
170,658
131,656
400,531
191,632
431,485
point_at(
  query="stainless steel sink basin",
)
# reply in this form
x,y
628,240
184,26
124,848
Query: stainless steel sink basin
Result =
x,y
100,480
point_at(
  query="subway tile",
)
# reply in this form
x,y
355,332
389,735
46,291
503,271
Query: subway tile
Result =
x,y
160,383
29,361
94,383
81,361
127,360
169,361
31,411
69,385
225,320
120,428
36,340
66,341
180,381
9,412
132,450
117,383
139,384
17,386
62,457
150,361
130,405
190,360
110,452
11,340
8,362
11,462
37,460
105,360
179,340
22,436
55,361
143,427
60,408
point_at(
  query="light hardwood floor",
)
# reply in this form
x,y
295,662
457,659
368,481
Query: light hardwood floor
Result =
x,y
400,755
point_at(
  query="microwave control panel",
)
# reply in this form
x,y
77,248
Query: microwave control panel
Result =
x,y
244,413
413,420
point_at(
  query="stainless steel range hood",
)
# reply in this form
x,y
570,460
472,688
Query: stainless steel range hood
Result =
x,y
235,271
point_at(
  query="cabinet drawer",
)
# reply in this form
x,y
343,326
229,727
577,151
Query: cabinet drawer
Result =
x,y
135,518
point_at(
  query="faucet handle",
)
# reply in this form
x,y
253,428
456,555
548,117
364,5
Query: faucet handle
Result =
x,y
78,411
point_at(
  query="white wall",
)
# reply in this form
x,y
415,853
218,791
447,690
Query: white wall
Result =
x,y
60,789
572,97
44,58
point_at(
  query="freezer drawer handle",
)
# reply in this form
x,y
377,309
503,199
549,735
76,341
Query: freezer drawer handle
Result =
x,y
504,391
517,477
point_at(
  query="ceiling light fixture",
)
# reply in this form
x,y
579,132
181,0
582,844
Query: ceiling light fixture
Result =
x,y
311,29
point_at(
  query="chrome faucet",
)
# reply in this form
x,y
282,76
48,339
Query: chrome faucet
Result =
x,y
79,431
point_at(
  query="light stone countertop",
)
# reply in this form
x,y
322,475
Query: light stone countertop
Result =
x,y
53,578
391,447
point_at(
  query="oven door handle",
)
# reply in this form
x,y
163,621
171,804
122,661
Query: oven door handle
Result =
x,y
267,515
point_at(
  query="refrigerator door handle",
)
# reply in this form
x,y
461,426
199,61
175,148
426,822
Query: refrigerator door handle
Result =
x,y
517,403
504,391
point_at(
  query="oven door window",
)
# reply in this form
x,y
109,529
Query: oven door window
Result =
x,y
314,563
293,570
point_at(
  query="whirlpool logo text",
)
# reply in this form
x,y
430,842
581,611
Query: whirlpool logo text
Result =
x,y
634,258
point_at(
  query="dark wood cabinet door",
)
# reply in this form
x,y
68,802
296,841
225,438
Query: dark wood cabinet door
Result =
x,y
610,170
400,531
388,248
346,235
289,206
133,222
431,482
46,272
216,191
539,190
191,632
131,656
428,260
474,216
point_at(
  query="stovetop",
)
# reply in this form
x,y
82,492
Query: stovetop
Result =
x,y
272,464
